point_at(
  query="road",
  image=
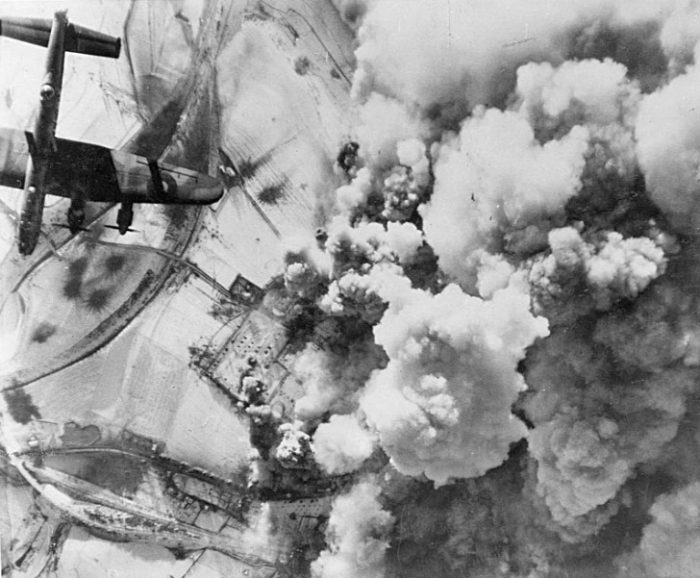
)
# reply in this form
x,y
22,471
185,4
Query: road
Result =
x,y
110,327
121,519
175,258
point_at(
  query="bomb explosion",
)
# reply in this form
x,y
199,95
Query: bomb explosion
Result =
x,y
506,334
484,362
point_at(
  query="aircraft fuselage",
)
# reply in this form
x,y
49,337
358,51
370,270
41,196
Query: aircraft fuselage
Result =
x,y
43,139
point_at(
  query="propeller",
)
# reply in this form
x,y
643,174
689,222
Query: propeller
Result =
x,y
71,229
116,228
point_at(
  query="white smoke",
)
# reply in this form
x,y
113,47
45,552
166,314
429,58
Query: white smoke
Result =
x,y
355,193
342,444
539,206
668,145
356,535
670,545
680,32
331,382
294,449
433,52
567,91
494,177
442,405
613,269
384,122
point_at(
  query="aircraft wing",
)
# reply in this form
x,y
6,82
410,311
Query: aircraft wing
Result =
x,y
111,176
105,175
180,185
14,153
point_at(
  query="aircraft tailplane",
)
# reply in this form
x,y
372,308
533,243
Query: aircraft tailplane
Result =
x,y
78,38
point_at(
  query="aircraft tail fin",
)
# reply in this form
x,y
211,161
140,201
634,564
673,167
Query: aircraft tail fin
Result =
x,y
78,38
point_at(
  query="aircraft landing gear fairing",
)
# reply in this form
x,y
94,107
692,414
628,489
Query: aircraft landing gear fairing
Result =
x,y
124,218
76,215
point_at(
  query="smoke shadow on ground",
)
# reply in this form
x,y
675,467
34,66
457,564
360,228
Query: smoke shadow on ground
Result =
x,y
73,285
21,406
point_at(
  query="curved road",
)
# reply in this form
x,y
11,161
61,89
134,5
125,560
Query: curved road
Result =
x,y
113,325
123,519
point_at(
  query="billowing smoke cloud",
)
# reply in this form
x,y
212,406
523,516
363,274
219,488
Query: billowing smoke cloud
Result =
x,y
442,405
609,397
668,144
341,444
350,280
294,449
605,272
670,545
680,33
514,236
354,194
383,122
439,52
552,94
517,235
356,535
434,51
556,99
331,381
495,176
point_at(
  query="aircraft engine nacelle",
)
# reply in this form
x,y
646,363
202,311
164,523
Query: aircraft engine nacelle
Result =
x,y
77,39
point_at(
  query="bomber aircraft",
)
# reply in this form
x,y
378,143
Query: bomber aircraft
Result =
x,y
40,163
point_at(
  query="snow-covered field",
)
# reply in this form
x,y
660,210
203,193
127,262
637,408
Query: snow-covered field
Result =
x,y
282,106
86,555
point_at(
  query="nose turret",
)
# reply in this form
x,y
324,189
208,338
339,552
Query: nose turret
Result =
x,y
47,92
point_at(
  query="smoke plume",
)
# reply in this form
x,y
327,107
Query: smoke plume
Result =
x,y
356,535
502,299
